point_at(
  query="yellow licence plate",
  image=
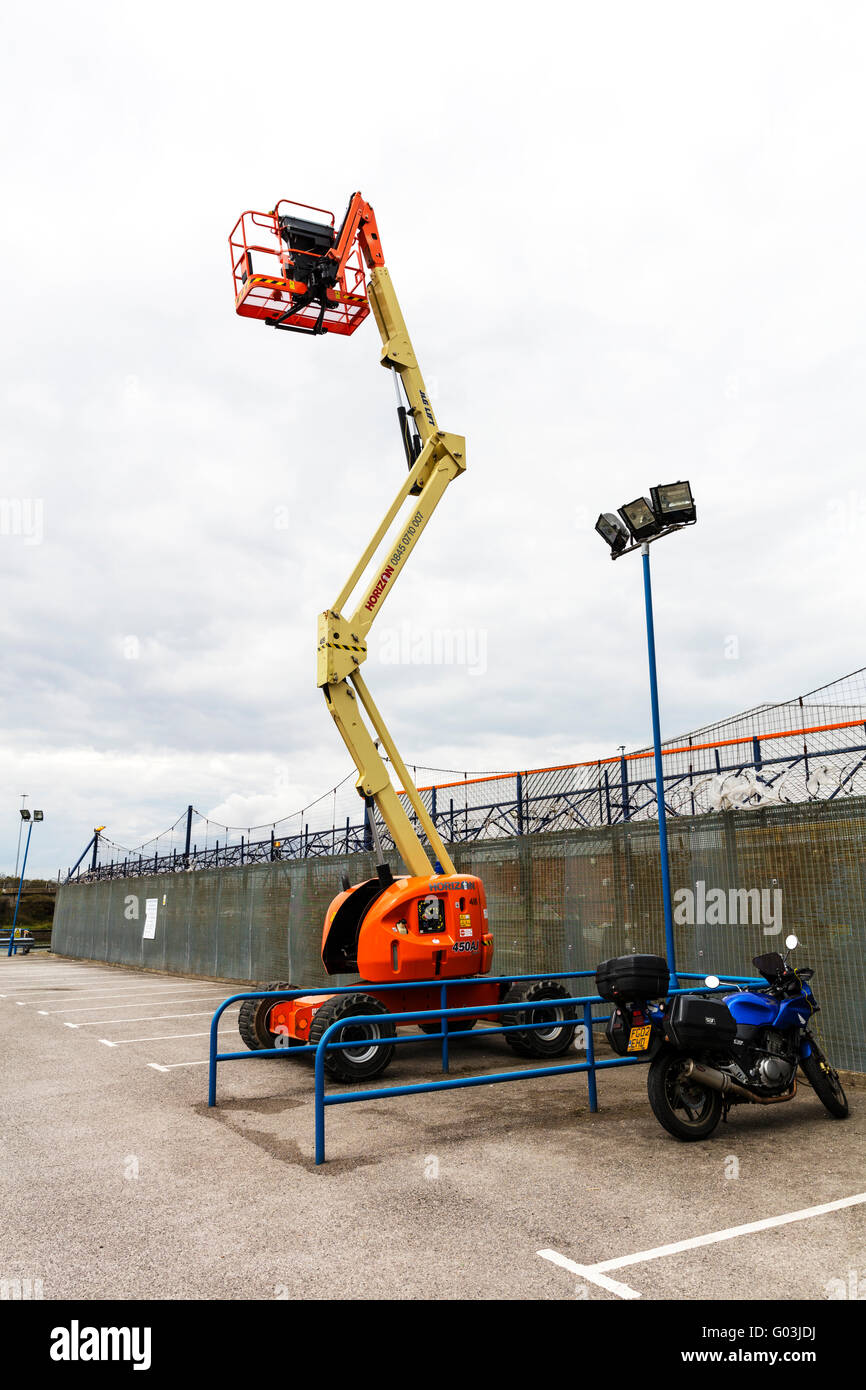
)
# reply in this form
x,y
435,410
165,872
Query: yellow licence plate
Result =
x,y
639,1038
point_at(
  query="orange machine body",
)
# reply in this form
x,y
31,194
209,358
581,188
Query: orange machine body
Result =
x,y
407,929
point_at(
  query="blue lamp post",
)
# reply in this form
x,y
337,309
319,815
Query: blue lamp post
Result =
x,y
635,527
20,828
25,816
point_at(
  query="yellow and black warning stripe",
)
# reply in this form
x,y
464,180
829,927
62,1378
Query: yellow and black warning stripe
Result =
x,y
348,646
294,286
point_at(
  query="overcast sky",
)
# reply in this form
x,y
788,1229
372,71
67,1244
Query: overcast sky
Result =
x,y
628,241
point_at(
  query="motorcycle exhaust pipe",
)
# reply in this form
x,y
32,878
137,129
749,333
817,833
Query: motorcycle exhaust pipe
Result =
x,y
718,1081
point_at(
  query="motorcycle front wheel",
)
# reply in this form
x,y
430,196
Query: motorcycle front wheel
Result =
x,y
684,1109
825,1082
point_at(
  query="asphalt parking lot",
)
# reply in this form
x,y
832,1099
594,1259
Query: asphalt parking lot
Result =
x,y
120,1183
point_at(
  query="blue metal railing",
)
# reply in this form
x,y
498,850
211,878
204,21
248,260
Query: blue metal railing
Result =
x,y
19,940
330,1041
443,986
591,1065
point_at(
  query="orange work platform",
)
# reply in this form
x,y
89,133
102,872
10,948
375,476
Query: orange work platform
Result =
x,y
288,272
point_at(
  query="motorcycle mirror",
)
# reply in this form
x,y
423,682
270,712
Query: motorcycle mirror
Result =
x,y
711,981
791,941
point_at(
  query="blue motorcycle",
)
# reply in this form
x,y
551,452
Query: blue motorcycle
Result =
x,y
740,1048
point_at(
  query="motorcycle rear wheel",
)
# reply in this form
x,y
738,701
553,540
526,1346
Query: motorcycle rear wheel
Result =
x,y
685,1110
825,1082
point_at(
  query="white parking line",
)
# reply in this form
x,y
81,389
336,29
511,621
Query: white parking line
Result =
x,y
161,1037
136,1004
31,988
145,1018
68,981
157,1066
41,997
51,970
590,1273
596,1273
78,963
161,990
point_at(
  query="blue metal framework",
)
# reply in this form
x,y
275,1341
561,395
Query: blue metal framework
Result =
x,y
329,1040
443,986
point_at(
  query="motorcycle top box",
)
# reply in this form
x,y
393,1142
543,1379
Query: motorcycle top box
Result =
x,y
627,978
696,1022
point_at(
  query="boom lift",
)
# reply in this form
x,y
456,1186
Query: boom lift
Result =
x,y
300,274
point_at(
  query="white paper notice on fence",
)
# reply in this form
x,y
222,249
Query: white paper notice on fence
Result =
x,y
150,906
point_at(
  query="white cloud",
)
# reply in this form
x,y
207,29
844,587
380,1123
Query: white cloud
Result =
x,y
627,241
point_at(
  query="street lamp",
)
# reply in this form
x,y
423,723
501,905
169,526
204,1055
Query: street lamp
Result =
x,y
611,529
640,519
673,504
25,816
670,507
20,828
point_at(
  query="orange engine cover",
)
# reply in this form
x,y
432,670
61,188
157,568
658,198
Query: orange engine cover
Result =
x,y
410,929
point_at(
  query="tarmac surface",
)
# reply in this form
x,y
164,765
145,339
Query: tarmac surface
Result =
x,y
119,1182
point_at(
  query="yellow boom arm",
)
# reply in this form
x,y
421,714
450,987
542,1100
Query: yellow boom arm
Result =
x,y
343,630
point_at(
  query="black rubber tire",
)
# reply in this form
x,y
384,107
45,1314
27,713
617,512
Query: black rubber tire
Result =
x,y
539,1042
455,1025
825,1082
252,1022
683,1120
361,1062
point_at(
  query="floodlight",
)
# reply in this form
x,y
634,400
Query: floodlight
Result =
x,y
673,503
635,525
640,519
611,529
37,815
25,815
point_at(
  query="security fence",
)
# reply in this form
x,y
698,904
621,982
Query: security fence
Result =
x,y
810,749
558,900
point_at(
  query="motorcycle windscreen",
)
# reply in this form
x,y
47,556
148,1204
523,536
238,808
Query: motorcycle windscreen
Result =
x,y
771,966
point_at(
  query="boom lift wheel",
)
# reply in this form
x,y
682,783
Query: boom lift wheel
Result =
x,y
369,1055
253,1022
540,1042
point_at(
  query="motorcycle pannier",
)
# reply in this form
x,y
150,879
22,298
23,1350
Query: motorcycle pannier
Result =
x,y
693,1021
627,978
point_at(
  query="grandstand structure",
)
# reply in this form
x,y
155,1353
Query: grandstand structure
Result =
x,y
810,748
